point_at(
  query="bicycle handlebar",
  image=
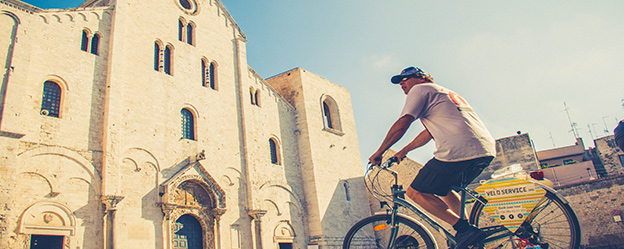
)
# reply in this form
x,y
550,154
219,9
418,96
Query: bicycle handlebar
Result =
x,y
387,164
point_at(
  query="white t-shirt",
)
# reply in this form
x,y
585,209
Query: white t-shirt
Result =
x,y
458,132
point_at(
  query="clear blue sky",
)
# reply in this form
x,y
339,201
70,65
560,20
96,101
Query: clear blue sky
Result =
x,y
516,62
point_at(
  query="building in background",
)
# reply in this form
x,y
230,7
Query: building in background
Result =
x,y
139,124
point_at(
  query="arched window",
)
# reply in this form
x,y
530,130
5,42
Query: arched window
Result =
x,y
251,95
328,116
156,56
256,97
188,124
51,100
213,76
203,72
274,151
331,115
168,54
84,46
346,188
95,44
190,35
181,30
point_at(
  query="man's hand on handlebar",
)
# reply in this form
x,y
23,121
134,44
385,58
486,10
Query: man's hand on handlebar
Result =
x,y
375,159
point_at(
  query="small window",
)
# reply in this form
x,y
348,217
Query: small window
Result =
x,y
51,100
274,151
84,46
204,73
346,189
213,76
186,4
190,34
251,96
569,161
181,30
156,56
188,124
254,95
95,44
168,54
328,116
331,116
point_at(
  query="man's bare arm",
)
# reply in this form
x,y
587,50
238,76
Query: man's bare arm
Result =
x,y
396,132
423,138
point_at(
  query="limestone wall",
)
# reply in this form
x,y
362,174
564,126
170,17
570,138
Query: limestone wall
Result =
x,y
593,203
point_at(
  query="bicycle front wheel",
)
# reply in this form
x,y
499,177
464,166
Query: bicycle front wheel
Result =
x,y
375,232
554,225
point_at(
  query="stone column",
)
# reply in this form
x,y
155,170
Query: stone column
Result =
x,y
256,216
167,210
216,214
110,204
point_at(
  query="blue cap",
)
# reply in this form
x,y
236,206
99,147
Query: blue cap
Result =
x,y
410,71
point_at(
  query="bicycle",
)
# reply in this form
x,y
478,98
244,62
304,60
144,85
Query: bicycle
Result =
x,y
551,223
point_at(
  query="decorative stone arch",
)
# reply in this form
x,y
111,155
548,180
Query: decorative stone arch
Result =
x,y
97,16
58,18
47,218
284,232
44,18
265,188
84,17
94,178
207,201
331,115
12,15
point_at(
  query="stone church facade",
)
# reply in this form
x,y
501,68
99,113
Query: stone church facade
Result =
x,y
139,124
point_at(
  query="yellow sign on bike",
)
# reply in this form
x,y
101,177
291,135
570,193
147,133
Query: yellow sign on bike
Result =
x,y
510,200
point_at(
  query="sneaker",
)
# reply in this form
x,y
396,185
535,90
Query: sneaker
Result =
x,y
470,237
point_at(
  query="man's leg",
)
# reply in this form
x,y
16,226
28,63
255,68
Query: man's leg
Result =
x,y
453,201
434,205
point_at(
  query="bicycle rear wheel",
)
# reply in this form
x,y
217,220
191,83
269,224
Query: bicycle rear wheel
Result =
x,y
554,226
375,232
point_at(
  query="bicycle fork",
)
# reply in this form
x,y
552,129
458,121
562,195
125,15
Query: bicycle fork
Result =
x,y
394,227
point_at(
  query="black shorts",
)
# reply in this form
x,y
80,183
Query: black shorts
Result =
x,y
438,177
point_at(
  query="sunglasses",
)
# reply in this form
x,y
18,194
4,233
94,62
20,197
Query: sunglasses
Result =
x,y
406,78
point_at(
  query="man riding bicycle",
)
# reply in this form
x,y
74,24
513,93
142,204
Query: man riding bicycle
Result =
x,y
462,144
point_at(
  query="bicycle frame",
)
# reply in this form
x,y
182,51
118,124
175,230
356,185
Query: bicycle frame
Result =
x,y
398,200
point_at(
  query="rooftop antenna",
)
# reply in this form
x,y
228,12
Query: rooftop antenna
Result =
x,y
594,126
590,133
606,130
572,124
551,139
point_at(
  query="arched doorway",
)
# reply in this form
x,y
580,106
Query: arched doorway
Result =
x,y
187,233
